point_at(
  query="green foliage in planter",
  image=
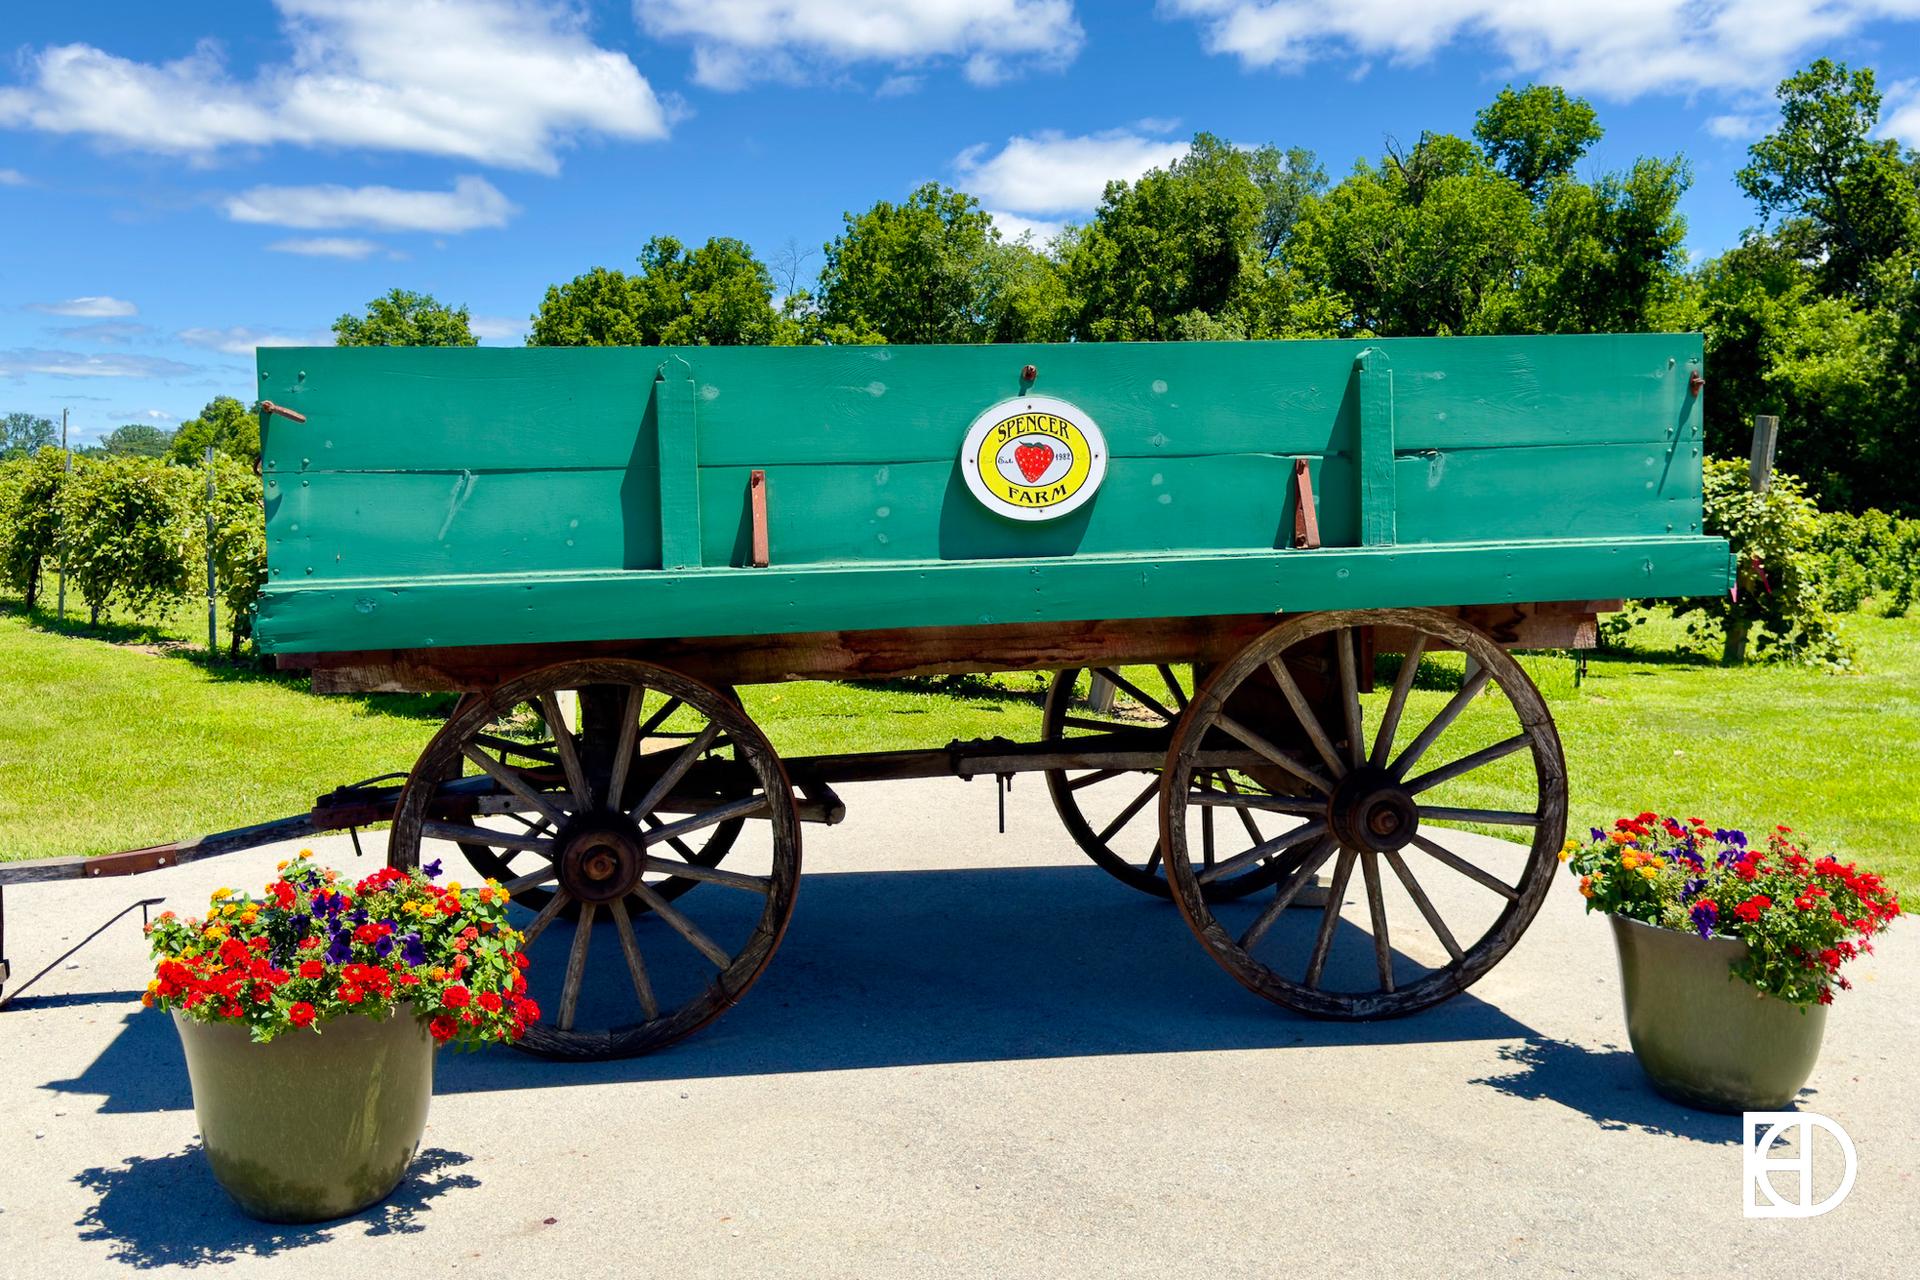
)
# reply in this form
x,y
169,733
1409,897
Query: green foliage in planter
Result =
x,y
126,527
1781,610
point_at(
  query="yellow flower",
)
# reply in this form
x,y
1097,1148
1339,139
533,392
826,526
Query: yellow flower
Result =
x,y
1649,873
453,886
248,917
1629,860
221,893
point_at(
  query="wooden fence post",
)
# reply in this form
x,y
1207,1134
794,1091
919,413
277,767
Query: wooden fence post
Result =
x,y
1766,434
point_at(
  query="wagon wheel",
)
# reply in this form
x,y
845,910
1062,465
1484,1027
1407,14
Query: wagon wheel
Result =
x,y
537,762
1110,812
678,967
1385,811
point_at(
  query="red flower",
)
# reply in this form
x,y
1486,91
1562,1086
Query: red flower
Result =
x,y
456,997
442,1028
490,1001
301,1014
351,994
1750,909
312,969
310,944
282,894
233,951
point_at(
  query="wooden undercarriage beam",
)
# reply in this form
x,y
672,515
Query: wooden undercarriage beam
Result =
x,y
874,655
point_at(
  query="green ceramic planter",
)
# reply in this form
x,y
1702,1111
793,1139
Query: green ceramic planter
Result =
x,y
1707,1039
311,1126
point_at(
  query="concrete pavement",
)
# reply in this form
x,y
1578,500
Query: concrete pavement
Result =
x,y
974,1055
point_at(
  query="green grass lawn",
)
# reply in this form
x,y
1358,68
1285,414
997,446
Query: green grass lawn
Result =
x,y
106,744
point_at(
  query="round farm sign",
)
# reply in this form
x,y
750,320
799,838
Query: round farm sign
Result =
x,y
1033,458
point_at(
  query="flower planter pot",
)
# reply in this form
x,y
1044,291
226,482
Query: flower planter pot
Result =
x,y
1705,1038
310,1126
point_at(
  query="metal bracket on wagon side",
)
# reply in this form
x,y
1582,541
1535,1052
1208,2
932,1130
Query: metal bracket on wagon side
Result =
x,y
1306,523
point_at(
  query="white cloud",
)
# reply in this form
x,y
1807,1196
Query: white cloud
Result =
x,y
497,327
1012,227
93,307
241,341
13,178
1616,48
76,364
158,415
1738,126
736,42
326,247
1053,173
1900,114
505,82
473,202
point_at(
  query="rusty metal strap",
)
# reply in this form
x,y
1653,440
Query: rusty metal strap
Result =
x,y
1306,524
757,502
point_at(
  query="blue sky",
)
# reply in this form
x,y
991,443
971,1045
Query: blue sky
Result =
x,y
179,182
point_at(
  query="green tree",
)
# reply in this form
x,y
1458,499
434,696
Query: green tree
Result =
x,y
239,542
22,434
30,489
1848,199
716,295
929,269
1432,240
1177,252
1535,136
126,527
400,318
226,424
1609,256
138,440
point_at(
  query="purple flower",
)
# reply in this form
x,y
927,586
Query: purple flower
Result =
x,y
1598,834
1703,915
1691,890
412,951
383,947
340,949
432,869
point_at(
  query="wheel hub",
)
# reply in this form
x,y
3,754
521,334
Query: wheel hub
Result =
x,y
1371,810
601,857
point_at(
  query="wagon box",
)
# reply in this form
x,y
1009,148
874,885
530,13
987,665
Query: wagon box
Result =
x,y
440,498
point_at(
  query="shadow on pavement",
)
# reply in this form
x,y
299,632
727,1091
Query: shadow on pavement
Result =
x,y
899,968
1608,1085
167,1211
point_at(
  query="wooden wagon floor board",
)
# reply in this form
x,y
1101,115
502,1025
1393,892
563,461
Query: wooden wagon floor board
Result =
x,y
609,605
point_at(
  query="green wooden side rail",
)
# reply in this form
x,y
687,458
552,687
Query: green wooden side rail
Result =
x,y
471,496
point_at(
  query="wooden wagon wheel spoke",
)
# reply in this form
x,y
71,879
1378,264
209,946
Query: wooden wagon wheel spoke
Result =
x,y
527,750
1135,692
623,747
1245,811
1265,849
664,784
576,966
512,781
1448,714
569,752
599,854
1309,719
1118,828
1421,947
636,966
1447,858
1468,763
1397,702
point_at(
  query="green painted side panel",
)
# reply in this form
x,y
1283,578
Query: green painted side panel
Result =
x,y
613,605
600,474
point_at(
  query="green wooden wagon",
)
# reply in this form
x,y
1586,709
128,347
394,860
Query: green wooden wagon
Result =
x,y
1215,546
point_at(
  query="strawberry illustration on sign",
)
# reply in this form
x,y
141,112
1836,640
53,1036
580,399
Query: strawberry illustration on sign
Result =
x,y
1033,460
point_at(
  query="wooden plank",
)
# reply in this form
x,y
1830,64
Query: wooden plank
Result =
x,y
857,655
1766,435
545,608
1374,446
677,433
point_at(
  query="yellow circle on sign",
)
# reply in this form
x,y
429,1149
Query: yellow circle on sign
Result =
x,y
1034,458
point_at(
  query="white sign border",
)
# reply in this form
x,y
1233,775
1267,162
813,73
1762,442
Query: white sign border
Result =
x,y
992,415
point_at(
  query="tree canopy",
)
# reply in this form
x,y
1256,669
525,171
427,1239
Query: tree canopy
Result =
x,y
26,433
138,440
716,295
400,318
229,426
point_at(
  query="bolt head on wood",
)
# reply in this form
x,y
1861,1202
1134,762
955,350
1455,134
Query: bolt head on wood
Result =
x,y
1028,373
